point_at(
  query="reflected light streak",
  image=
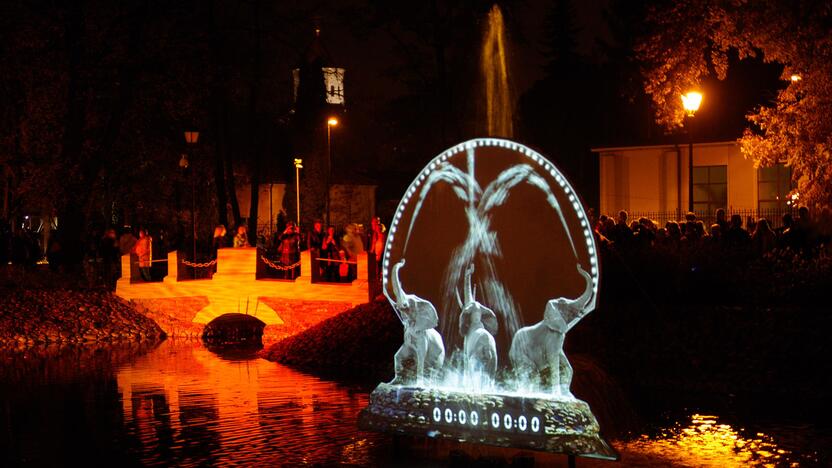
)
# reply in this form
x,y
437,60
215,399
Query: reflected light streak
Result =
x,y
707,443
194,407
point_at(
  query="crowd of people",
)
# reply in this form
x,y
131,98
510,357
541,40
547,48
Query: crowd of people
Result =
x,y
98,255
334,254
799,233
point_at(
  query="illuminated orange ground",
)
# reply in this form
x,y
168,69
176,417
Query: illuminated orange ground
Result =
x,y
235,289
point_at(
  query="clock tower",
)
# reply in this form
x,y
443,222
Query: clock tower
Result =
x,y
318,107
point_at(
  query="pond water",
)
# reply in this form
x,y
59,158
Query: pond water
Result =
x,y
179,403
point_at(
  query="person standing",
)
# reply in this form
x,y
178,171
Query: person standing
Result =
x,y
241,239
377,240
330,250
219,240
144,251
110,257
314,241
290,249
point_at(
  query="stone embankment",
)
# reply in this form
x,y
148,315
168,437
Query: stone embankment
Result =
x,y
48,316
357,344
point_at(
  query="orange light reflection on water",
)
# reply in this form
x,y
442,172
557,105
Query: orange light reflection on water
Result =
x,y
707,443
187,406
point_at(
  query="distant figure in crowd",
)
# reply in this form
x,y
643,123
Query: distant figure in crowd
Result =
x,y
343,267
314,241
290,248
737,236
621,234
716,234
353,245
750,225
804,232
674,234
763,240
377,239
219,239
722,221
54,250
330,250
143,250
316,236
110,258
241,239
280,222
127,241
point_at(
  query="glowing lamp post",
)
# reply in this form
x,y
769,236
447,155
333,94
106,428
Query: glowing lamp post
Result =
x,y
691,102
331,122
298,167
191,138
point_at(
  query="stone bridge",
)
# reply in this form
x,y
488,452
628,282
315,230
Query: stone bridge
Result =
x,y
235,289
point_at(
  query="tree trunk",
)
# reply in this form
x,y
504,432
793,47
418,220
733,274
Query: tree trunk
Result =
x,y
230,184
218,96
73,138
256,139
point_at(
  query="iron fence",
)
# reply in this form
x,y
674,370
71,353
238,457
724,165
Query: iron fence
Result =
x,y
774,216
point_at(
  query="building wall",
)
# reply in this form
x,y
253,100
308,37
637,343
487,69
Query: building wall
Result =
x,y
277,192
655,178
352,204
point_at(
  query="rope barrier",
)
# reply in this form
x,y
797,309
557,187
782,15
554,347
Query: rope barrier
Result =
x,y
351,262
199,265
279,267
153,261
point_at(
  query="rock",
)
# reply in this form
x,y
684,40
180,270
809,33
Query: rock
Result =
x,y
63,316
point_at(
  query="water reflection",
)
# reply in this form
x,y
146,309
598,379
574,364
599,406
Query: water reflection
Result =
x,y
706,442
186,405
181,404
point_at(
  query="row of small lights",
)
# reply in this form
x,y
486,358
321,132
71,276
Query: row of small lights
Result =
x,y
486,142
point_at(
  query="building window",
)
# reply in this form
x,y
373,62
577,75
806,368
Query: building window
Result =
x,y
710,189
773,186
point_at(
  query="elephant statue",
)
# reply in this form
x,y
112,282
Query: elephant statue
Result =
x,y
422,345
539,347
477,325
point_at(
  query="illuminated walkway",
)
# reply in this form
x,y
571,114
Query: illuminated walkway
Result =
x,y
235,289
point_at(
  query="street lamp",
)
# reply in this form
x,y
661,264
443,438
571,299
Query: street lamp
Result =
x,y
298,167
691,102
191,138
331,122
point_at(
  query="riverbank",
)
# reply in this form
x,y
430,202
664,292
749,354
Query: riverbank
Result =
x,y
357,344
30,317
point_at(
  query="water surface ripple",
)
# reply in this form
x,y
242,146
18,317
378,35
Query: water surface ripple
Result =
x,y
181,404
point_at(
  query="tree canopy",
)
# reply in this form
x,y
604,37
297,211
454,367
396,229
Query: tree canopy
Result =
x,y
686,42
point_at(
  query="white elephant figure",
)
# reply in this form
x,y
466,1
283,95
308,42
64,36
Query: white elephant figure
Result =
x,y
540,346
422,343
477,325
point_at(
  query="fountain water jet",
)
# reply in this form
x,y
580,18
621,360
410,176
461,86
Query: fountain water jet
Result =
x,y
497,218
494,69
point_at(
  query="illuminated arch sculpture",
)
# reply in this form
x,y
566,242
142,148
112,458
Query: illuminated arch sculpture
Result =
x,y
498,221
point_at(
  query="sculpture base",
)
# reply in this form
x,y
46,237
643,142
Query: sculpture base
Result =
x,y
530,422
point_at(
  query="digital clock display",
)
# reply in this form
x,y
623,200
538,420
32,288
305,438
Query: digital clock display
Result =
x,y
493,420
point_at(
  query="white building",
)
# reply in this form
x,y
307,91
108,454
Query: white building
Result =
x,y
655,179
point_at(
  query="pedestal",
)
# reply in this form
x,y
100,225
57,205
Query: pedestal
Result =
x,y
532,422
